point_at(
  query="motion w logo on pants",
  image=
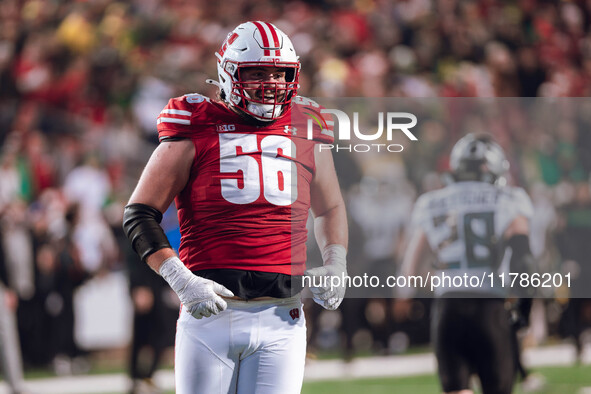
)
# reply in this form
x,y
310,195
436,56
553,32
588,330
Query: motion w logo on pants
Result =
x,y
294,313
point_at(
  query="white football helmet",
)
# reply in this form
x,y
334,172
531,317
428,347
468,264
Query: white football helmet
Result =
x,y
258,44
477,157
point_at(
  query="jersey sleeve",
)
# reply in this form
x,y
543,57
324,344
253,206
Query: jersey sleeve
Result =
x,y
319,124
180,117
515,202
524,203
518,203
420,214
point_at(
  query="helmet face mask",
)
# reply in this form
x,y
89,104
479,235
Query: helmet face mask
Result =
x,y
477,157
258,45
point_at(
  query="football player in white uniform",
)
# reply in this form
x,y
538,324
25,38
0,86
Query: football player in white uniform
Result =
x,y
475,226
244,179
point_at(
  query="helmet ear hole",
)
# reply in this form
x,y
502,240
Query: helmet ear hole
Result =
x,y
290,74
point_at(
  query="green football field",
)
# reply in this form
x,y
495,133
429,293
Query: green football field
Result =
x,y
559,380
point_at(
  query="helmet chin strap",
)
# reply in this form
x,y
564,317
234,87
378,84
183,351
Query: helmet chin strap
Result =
x,y
265,112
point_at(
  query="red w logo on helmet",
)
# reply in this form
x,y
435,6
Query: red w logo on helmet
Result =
x,y
227,42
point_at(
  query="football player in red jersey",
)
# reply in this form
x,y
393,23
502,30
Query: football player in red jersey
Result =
x,y
244,174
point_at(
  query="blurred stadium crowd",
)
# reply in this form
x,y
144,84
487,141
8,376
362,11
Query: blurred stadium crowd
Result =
x,y
81,84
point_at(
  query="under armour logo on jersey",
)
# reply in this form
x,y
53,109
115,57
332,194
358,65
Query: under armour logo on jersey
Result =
x,y
289,129
294,313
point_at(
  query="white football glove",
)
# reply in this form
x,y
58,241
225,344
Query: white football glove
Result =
x,y
200,296
335,265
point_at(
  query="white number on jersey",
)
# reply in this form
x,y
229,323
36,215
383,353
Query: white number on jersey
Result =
x,y
279,172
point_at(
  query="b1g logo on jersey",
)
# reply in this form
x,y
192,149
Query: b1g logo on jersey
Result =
x,y
395,121
225,127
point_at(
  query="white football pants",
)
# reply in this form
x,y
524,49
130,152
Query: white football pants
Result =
x,y
10,352
254,347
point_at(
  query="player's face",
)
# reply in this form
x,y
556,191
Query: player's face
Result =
x,y
264,84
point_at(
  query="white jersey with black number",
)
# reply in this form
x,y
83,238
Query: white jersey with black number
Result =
x,y
464,224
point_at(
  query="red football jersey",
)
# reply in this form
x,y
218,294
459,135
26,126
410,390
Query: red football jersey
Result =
x,y
247,199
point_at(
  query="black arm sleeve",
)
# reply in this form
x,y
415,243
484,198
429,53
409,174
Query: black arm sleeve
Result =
x,y
521,257
141,224
522,261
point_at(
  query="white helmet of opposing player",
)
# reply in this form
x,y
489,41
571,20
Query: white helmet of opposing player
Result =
x,y
258,44
477,157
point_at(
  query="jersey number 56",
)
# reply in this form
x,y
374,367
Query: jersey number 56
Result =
x,y
277,169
